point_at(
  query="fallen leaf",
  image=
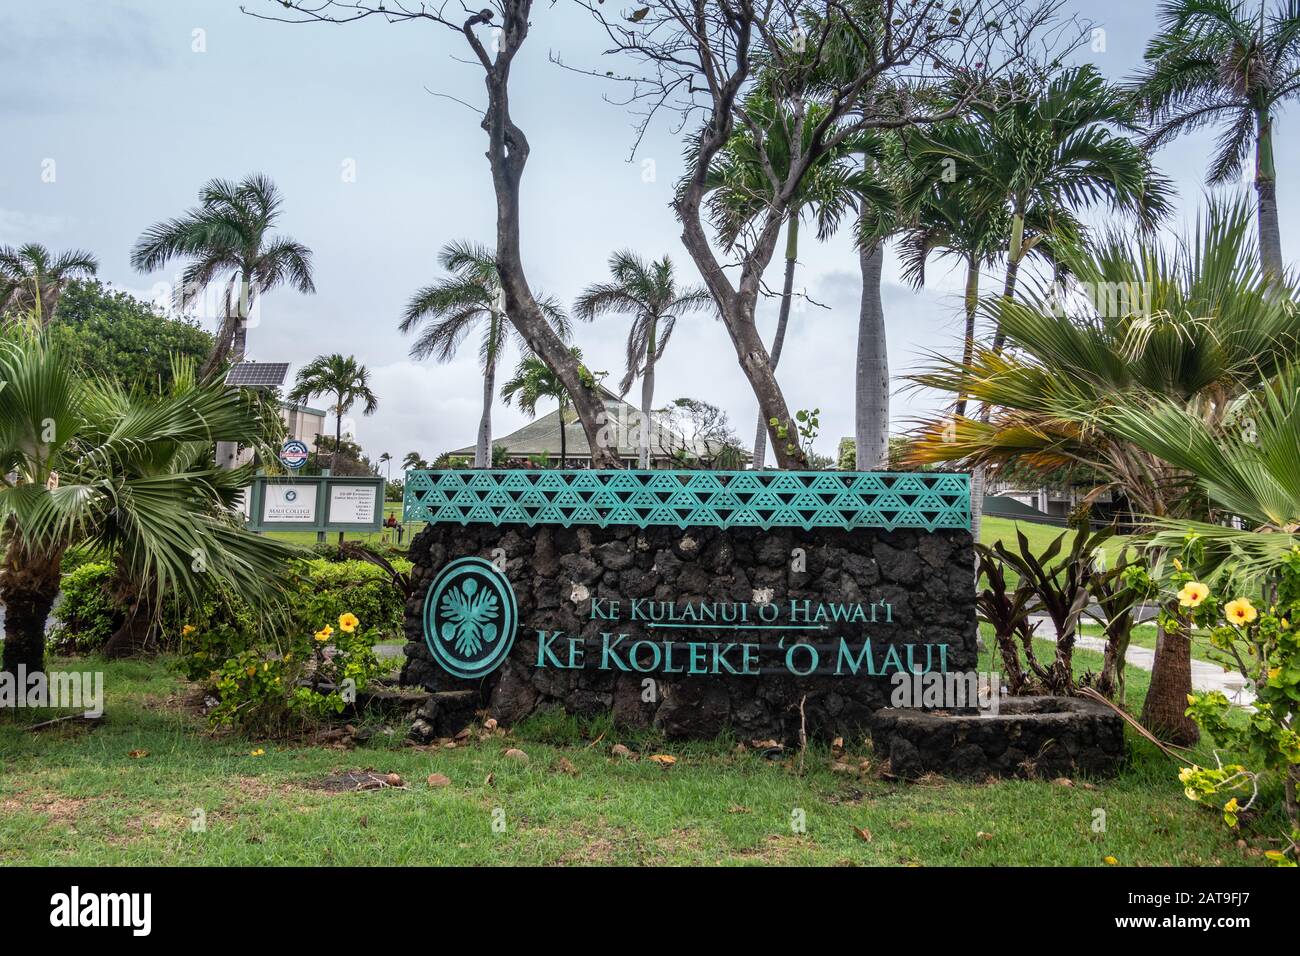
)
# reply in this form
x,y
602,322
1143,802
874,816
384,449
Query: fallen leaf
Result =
x,y
439,780
490,724
364,822
737,808
863,834
565,766
618,750
984,836
665,760
489,780
393,780
1063,782
1110,861
514,753
137,754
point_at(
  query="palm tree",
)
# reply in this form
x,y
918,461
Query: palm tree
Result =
x,y
1222,63
228,235
648,292
32,278
387,461
413,461
452,306
90,464
740,191
1199,326
1034,154
341,377
535,381
1051,150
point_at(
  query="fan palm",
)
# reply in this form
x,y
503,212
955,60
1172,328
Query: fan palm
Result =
x,y
88,463
450,308
342,377
648,292
228,235
1198,327
32,278
1227,64
535,381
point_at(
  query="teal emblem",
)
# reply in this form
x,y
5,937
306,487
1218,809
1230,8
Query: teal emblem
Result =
x,y
469,618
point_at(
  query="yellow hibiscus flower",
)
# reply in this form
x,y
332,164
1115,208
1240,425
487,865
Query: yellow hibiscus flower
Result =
x,y
324,633
187,630
1240,612
1192,594
348,622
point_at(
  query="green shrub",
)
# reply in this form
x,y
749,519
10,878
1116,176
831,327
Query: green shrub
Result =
x,y
312,669
329,588
312,676
85,616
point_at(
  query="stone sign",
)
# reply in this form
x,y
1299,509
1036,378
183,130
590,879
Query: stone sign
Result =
x,y
694,601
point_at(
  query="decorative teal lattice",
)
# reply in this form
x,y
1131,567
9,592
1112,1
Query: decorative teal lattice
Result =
x,y
715,499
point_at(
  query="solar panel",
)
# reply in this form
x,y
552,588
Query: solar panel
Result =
x,y
257,374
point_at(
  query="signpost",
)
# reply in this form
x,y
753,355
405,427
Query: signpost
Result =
x,y
316,503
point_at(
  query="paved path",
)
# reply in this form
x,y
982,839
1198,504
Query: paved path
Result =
x,y
1205,676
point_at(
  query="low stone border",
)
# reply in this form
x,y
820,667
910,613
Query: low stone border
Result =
x,y
1044,737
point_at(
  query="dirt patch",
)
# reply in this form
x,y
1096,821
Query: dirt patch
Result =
x,y
59,809
353,781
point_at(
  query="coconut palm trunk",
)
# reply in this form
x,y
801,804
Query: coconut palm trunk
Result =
x,y
782,320
28,587
647,395
1270,232
871,426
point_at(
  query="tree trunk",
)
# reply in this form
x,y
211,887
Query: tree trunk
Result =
x,y
338,435
1164,711
483,449
1015,252
782,320
508,155
871,426
564,440
978,478
1270,233
29,583
971,301
1110,682
132,637
647,396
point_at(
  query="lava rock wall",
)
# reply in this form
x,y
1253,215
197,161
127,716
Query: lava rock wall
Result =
x,y
925,578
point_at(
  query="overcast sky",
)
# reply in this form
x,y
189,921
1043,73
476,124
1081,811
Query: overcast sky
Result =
x,y
128,106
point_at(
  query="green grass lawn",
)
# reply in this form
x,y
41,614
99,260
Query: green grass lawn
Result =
x,y
72,796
